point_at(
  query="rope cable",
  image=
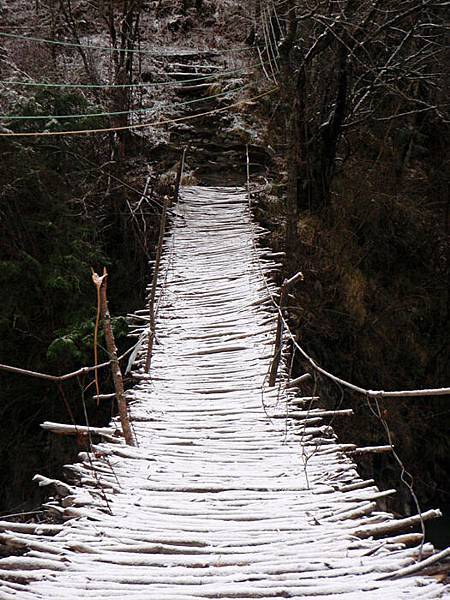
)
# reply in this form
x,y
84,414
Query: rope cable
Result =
x,y
375,394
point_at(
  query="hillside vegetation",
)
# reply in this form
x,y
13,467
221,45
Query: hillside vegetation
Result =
x,y
360,204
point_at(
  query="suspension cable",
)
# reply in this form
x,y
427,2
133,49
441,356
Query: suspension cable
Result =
x,y
116,113
373,394
179,51
95,86
138,125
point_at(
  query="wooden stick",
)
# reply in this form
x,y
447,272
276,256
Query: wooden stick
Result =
x,y
278,339
406,538
104,396
418,566
151,301
100,283
356,486
371,450
97,323
248,175
63,429
44,528
287,284
304,400
300,414
396,525
294,382
297,277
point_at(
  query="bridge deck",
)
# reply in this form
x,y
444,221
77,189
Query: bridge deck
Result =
x,y
215,502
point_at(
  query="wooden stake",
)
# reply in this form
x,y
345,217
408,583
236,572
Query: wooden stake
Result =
x,y
100,283
279,334
278,339
248,175
151,300
179,174
294,382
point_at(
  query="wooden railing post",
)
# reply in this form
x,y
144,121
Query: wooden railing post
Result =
x,y
152,297
247,156
162,230
101,284
278,338
287,284
179,174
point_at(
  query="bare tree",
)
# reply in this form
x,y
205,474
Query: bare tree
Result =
x,y
345,64
123,28
67,11
122,25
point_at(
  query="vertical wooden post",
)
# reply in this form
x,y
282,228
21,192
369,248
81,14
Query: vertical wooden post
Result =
x,y
248,175
151,300
278,338
162,229
287,284
100,283
179,174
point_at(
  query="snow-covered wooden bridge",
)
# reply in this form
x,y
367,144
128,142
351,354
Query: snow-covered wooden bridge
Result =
x,y
216,501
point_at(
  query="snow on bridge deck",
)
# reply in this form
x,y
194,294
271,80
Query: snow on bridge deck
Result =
x,y
215,501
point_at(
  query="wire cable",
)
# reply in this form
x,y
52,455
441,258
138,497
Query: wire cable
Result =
x,y
177,51
138,125
96,86
116,113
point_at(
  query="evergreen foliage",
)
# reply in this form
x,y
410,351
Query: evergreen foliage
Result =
x,y
56,224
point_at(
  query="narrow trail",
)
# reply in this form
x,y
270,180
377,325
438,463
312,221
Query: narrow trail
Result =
x,y
217,141
216,501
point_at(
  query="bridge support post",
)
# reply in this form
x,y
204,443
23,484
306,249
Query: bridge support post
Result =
x,y
100,283
287,284
162,230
